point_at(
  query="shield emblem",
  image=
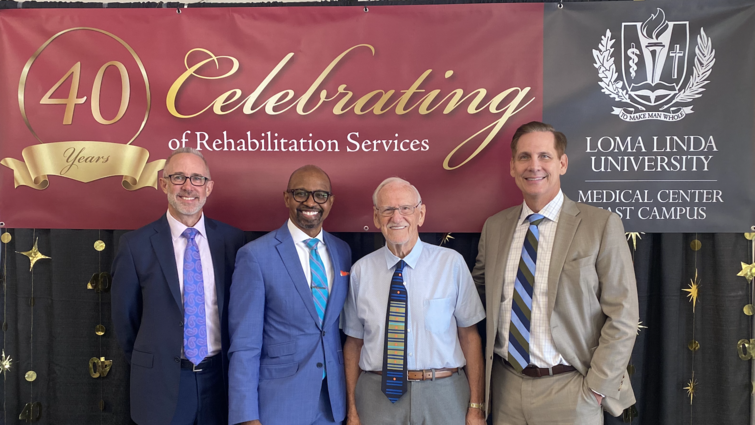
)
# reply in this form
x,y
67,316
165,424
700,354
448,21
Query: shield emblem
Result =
x,y
654,58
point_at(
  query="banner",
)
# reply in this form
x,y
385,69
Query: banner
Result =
x,y
93,101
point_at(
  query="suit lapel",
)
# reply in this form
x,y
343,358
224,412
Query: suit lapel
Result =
x,y
568,222
287,251
507,228
217,250
162,244
337,289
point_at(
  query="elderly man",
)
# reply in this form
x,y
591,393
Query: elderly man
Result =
x,y
561,297
288,291
410,323
170,290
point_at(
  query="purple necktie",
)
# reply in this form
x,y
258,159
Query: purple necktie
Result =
x,y
195,325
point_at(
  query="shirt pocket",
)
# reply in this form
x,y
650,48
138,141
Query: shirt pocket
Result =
x,y
438,314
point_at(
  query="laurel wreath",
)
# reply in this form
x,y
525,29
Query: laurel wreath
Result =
x,y
704,60
607,70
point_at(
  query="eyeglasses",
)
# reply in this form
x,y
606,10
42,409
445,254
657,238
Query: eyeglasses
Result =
x,y
195,179
402,209
301,195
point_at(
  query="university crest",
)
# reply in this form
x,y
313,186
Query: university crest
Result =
x,y
654,68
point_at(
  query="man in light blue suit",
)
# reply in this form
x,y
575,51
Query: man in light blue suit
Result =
x,y
289,286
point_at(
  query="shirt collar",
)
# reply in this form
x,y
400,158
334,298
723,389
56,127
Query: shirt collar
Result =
x,y
411,259
299,236
177,228
551,211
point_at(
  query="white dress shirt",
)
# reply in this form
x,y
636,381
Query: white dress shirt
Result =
x,y
300,240
208,276
542,349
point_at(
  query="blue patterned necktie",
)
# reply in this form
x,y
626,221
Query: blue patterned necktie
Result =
x,y
195,324
394,375
319,281
521,306
319,278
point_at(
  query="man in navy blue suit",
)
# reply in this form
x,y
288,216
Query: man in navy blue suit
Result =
x,y
286,362
171,283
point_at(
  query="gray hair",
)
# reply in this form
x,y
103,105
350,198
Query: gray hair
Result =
x,y
187,150
391,180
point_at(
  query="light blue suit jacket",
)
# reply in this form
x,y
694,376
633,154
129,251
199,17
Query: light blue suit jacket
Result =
x,y
278,348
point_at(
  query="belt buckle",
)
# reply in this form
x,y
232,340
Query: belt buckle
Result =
x,y
194,368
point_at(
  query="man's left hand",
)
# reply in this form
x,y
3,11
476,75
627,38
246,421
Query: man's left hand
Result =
x,y
475,416
598,397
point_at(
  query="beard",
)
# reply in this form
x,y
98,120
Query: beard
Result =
x,y
174,202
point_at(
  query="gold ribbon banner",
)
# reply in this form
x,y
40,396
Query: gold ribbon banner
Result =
x,y
84,162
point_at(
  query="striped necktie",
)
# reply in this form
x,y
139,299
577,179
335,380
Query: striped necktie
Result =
x,y
319,282
394,378
521,307
195,325
319,278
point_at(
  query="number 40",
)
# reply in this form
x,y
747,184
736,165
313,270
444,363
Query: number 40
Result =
x,y
71,101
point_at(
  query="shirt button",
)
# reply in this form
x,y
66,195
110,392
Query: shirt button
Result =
x,y
319,365
408,330
411,354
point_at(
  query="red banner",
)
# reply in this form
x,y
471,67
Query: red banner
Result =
x,y
93,101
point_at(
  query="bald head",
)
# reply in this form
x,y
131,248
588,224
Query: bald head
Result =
x,y
308,169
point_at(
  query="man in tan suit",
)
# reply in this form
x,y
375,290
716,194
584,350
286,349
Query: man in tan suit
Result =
x,y
561,297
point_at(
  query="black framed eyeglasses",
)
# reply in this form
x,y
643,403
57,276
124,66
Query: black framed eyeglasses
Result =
x,y
301,195
402,209
195,179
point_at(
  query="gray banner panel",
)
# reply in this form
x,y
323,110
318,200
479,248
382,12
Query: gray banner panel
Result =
x,y
656,100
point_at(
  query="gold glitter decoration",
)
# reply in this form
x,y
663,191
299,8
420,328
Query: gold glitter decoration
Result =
x,y
99,245
748,271
34,255
5,363
31,412
30,376
746,348
693,291
749,236
630,414
695,245
640,327
5,238
691,388
693,345
753,387
446,238
99,367
99,330
748,310
634,236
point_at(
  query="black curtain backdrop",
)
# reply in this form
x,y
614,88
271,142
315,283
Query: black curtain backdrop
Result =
x,y
61,339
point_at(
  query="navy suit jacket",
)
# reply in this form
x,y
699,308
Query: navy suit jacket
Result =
x,y
278,347
148,315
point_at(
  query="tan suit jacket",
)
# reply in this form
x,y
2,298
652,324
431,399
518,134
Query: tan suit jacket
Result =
x,y
592,295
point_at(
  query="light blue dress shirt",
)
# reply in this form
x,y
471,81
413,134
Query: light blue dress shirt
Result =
x,y
442,297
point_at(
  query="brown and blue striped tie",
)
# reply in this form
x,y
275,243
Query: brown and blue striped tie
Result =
x,y
521,306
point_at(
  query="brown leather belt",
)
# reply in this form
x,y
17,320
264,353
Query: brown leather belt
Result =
x,y
428,374
538,372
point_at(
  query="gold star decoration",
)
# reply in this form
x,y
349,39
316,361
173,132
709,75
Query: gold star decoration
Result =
x,y
446,238
691,387
748,271
634,236
5,363
693,291
640,327
34,255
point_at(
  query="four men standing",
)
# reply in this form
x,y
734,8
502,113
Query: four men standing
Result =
x,y
556,277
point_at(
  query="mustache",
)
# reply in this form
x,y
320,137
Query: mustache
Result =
x,y
316,209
